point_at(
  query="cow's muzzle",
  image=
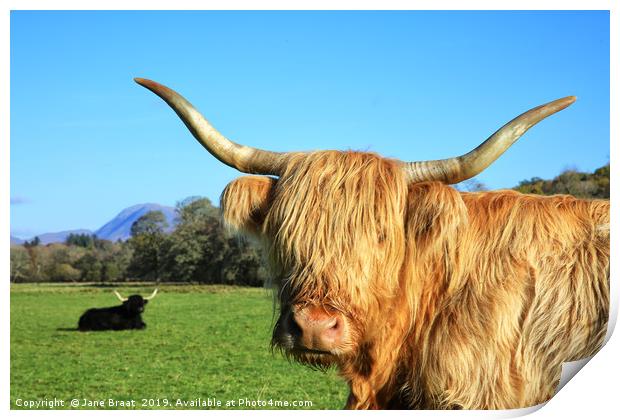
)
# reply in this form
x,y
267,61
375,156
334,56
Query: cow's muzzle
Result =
x,y
310,329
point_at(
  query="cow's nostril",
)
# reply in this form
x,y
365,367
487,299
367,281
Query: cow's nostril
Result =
x,y
318,329
294,328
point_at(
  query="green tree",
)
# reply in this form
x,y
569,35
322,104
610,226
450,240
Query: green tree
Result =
x,y
201,250
65,272
571,181
80,239
196,247
115,261
148,243
57,258
34,251
243,264
20,265
90,266
151,223
33,243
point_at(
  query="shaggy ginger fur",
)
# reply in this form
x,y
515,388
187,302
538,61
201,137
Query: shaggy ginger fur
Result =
x,y
452,300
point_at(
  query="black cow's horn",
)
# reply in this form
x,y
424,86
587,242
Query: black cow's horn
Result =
x,y
118,295
152,295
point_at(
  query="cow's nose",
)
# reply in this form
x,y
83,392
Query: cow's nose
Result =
x,y
320,330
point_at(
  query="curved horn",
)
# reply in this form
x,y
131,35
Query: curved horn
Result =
x,y
245,159
118,295
152,295
455,170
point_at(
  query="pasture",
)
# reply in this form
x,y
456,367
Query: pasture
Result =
x,y
202,343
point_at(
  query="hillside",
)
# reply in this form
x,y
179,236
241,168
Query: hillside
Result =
x,y
117,228
120,226
49,238
579,184
16,241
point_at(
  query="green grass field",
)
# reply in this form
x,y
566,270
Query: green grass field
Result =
x,y
201,343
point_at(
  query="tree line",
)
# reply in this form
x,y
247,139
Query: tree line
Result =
x,y
199,249
571,181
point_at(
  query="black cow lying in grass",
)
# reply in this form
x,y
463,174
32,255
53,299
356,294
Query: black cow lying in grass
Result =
x,y
123,317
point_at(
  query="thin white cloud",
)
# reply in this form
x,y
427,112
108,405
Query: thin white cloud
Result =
x,y
19,200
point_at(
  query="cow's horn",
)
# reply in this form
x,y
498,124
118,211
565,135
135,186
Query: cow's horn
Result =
x,y
244,158
118,295
457,169
152,295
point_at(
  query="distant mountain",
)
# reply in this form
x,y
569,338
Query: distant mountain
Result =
x,y
48,238
115,229
120,226
16,241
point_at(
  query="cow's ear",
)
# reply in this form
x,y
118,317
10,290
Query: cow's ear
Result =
x,y
245,202
436,217
434,211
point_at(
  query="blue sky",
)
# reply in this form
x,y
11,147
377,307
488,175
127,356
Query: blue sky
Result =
x,y
86,141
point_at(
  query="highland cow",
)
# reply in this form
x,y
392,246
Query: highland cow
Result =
x,y
422,296
127,316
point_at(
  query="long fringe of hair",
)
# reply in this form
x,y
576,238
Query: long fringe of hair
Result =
x,y
469,300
